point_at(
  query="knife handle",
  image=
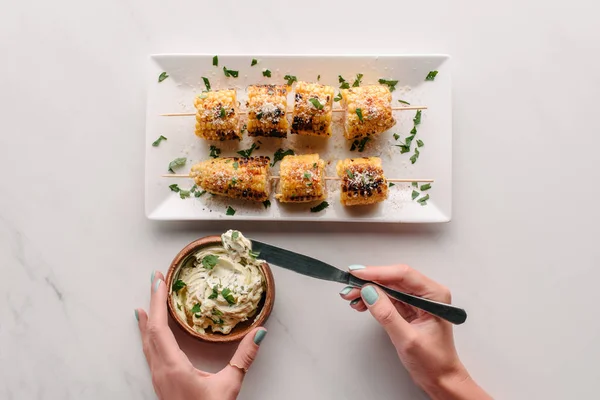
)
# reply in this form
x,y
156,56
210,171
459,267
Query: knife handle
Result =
x,y
445,311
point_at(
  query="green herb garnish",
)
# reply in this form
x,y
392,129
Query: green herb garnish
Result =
x,y
396,136
254,62
162,77
431,75
318,77
195,309
206,83
199,193
230,211
344,84
184,194
415,184
423,200
414,157
291,79
177,163
350,174
267,73
210,261
215,293
357,80
403,148
194,188
253,254
267,203
222,113
417,120
307,175
391,184
157,141
420,143
259,115
236,165
235,235
415,194
279,154
214,151
174,187
408,140
216,312
338,97
389,83
426,186
178,285
216,61
230,72
226,293
360,115
234,180
248,152
320,207
404,102
316,103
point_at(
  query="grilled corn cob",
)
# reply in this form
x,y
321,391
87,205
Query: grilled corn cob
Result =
x,y
363,181
217,115
267,105
301,179
239,178
368,111
312,109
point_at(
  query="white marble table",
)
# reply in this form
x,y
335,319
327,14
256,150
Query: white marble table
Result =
x,y
521,254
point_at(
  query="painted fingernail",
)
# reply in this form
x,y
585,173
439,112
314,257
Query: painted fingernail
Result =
x,y
355,301
354,267
369,294
259,336
157,284
137,316
152,276
346,290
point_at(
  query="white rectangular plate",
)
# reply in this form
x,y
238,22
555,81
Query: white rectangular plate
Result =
x,y
176,94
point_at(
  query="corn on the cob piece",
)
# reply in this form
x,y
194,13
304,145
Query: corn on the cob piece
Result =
x,y
236,177
301,179
312,109
267,105
363,181
368,111
217,115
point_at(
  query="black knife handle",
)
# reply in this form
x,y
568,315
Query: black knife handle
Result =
x,y
445,311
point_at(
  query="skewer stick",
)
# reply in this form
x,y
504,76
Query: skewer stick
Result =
x,y
289,112
327,178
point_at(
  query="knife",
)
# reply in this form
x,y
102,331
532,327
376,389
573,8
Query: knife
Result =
x,y
318,269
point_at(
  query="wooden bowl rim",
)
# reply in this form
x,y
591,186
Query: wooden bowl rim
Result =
x,y
263,313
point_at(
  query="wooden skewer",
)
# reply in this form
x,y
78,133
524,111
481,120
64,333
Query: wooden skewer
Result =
x,y
327,178
289,112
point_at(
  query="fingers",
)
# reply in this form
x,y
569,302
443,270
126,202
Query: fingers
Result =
x,y
245,353
386,314
358,304
403,277
158,299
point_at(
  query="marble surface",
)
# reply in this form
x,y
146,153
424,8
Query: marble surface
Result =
x,y
521,253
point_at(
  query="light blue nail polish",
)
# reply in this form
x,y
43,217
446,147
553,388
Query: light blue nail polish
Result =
x,y
158,281
137,316
259,336
369,294
354,267
152,276
355,301
346,290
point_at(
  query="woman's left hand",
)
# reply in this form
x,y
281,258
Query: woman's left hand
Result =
x,y
173,375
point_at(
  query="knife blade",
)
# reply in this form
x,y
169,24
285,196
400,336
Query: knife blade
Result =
x,y
314,268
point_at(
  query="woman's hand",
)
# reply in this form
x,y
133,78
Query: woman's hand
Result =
x,y
173,375
425,344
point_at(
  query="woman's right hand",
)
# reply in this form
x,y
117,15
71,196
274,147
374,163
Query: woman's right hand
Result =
x,y
425,343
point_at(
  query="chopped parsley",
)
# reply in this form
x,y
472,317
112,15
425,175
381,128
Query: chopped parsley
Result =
x,y
215,293
218,321
253,254
279,154
415,157
291,79
431,75
230,211
184,194
318,77
315,102
217,312
226,293
338,97
199,193
210,261
358,80
214,151
391,184
417,120
403,148
267,203
266,73
236,165
344,84
389,83
177,163
408,140
359,144
174,187
415,194
420,143
157,141
230,73
315,166
254,62
426,186
423,200
360,115
216,61
235,235
350,174
222,113
178,285
396,136
195,309
307,175
194,188
234,180
203,95
404,102
415,184
206,83
162,77
320,207
248,152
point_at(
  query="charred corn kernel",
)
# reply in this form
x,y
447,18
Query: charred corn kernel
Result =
x,y
363,181
235,177
217,116
301,179
267,105
312,109
368,111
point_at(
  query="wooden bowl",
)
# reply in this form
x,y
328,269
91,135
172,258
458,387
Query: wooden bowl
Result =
x,y
265,306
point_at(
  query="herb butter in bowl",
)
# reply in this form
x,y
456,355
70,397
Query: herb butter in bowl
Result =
x,y
219,288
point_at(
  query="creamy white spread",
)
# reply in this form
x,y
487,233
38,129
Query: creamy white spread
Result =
x,y
219,286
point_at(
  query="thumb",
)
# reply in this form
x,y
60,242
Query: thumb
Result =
x,y
382,309
246,351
